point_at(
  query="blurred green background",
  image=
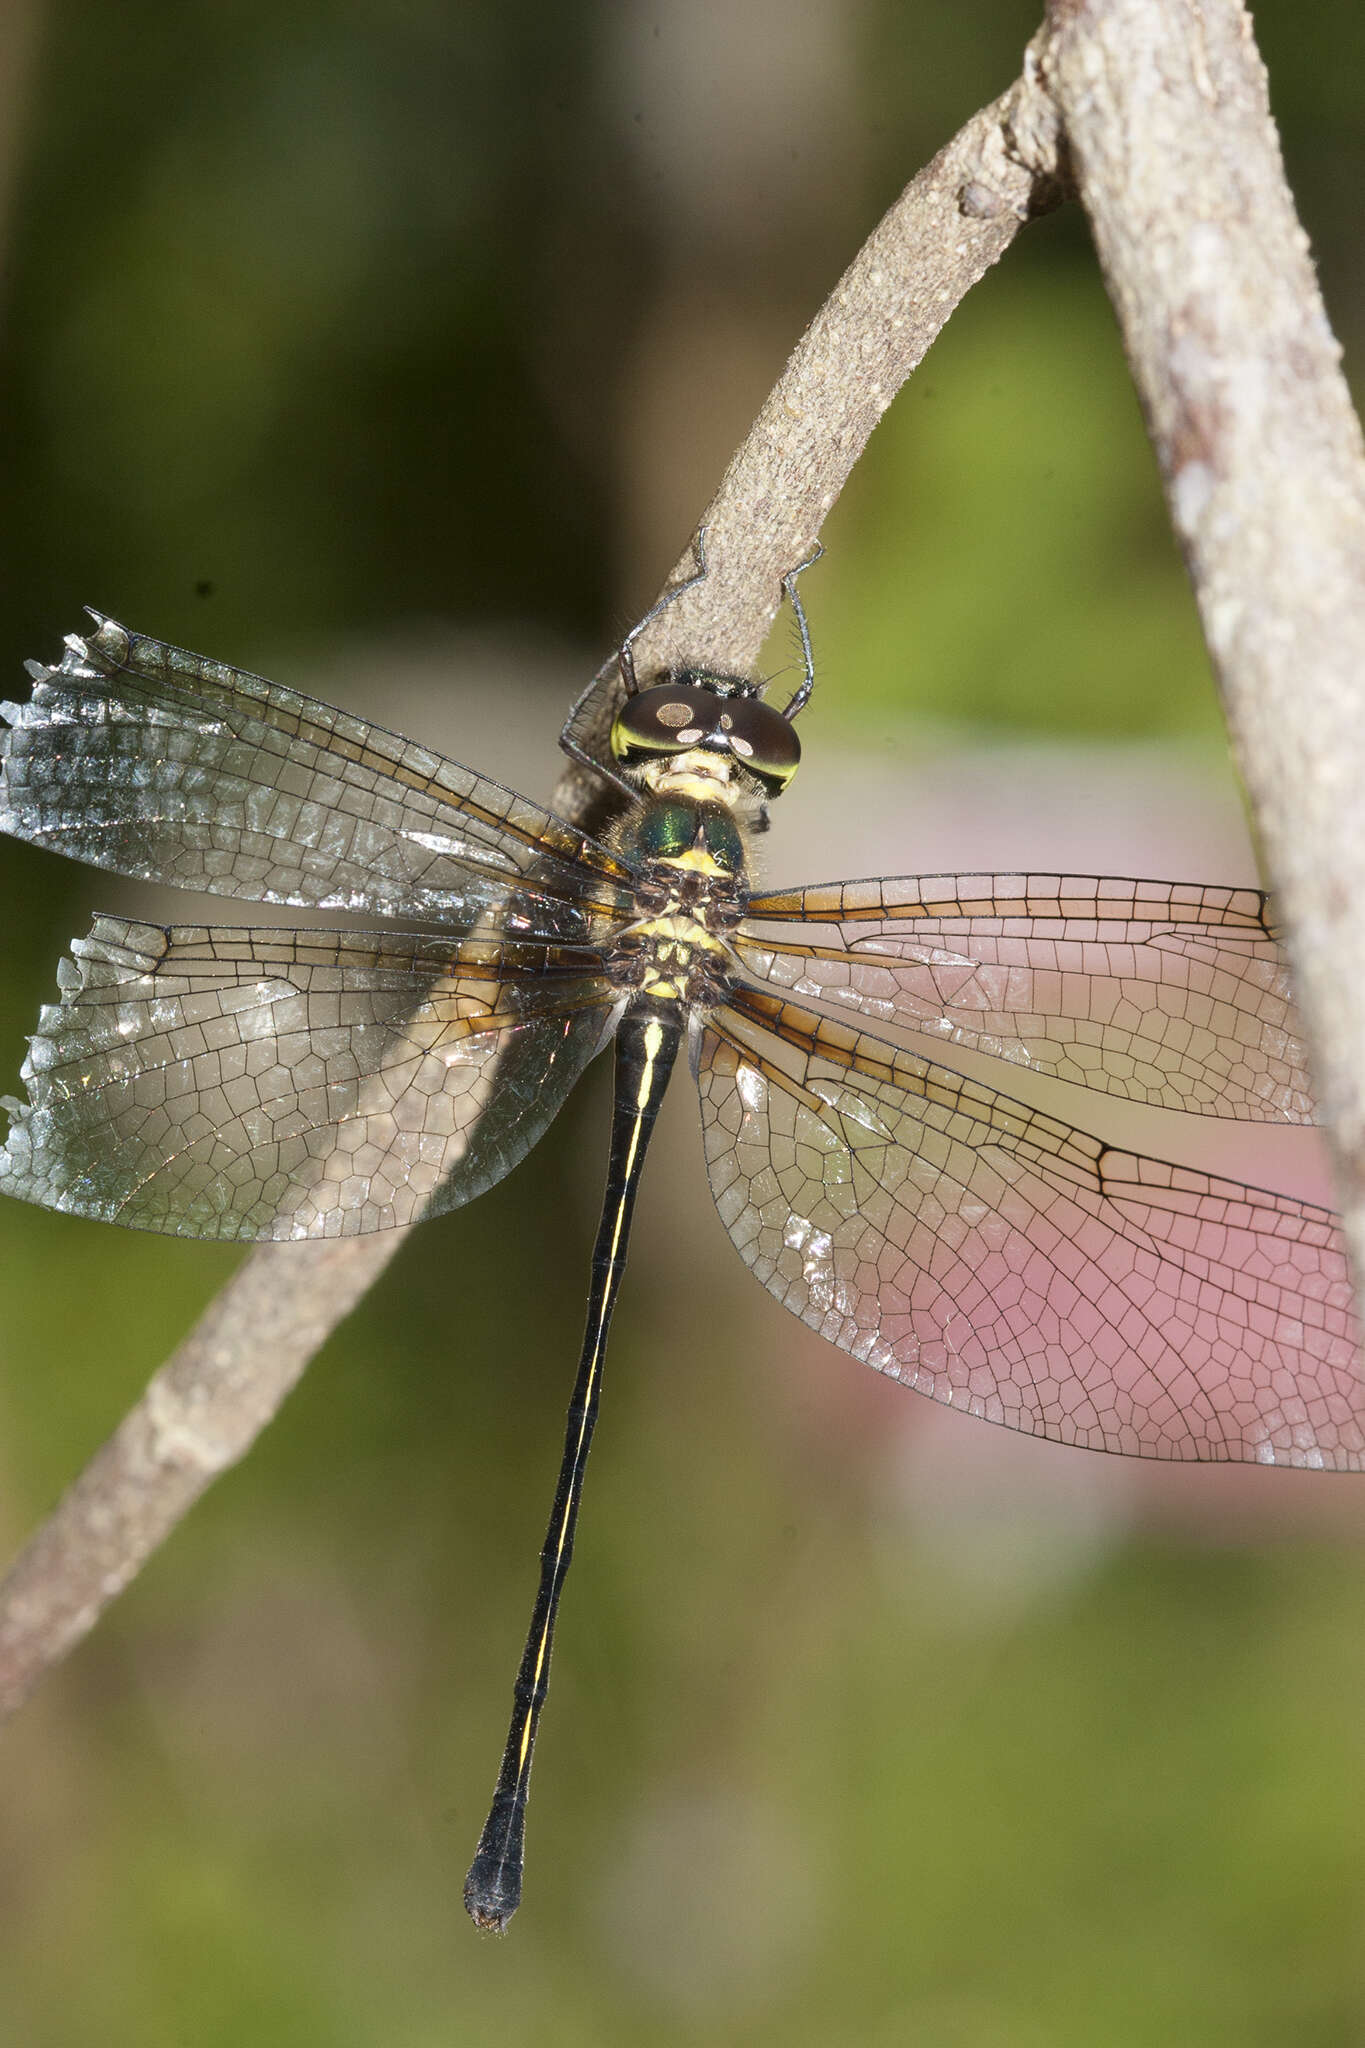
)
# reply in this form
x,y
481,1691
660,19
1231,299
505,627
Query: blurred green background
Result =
x,y
394,350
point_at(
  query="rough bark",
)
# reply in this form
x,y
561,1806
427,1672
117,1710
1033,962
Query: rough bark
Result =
x,y
949,226
1174,151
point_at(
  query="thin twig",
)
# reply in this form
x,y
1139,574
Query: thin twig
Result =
x,y
949,226
200,1414
206,1406
1178,165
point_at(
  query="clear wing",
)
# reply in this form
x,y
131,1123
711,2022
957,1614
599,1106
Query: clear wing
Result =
x,y
998,1260
160,764
225,1083
1169,993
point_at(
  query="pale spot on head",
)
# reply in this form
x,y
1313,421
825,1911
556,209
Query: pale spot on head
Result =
x,y
674,714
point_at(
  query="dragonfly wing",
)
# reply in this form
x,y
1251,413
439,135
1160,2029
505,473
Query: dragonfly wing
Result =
x,y
222,1083
163,765
1003,1262
1175,994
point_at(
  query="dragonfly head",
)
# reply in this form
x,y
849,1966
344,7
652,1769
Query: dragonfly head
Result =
x,y
721,722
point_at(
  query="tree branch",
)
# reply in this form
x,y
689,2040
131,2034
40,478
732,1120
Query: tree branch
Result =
x,y
200,1414
949,226
1175,155
206,1406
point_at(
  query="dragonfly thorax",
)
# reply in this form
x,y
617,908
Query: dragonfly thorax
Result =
x,y
691,861
682,831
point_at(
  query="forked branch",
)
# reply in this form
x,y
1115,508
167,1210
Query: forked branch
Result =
x,y
1163,110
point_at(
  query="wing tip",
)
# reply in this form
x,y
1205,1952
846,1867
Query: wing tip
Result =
x,y
85,657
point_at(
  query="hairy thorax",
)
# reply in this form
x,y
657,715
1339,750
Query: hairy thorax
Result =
x,y
690,849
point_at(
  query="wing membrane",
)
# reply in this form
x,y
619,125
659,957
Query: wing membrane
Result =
x,y
158,763
226,1083
1001,1261
1174,994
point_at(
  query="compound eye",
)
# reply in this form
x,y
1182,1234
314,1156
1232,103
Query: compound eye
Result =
x,y
666,720
763,741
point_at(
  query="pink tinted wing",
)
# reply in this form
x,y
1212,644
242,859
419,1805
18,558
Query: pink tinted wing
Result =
x,y
1169,993
1001,1261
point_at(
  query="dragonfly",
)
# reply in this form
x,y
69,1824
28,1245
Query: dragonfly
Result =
x,y
276,1082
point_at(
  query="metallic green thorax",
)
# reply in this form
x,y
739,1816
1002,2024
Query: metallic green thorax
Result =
x,y
691,854
698,835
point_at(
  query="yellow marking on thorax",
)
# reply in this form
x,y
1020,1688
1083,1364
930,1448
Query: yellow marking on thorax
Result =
x,y
679,928
678,939
696,861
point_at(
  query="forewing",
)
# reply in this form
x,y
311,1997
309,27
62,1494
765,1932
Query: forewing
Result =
x,y
1174,994
224,1083
998,1260
158,763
